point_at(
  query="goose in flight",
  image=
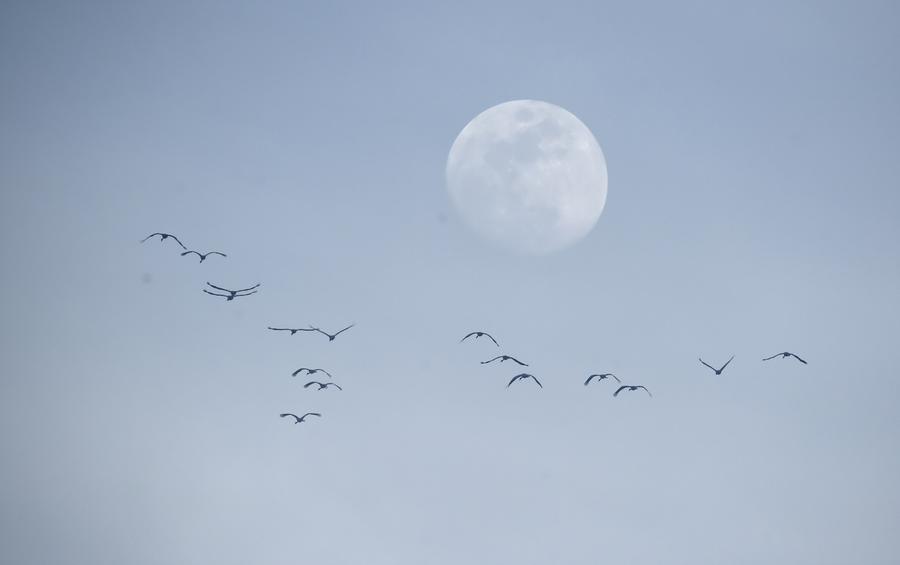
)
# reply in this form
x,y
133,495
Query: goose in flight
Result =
x,y
203,256
229,297
163,237
479,334
330,336
717,371
600,377
292,330
233,292
321,385
785,355
298,419
503,358
310,371
631,388
523,376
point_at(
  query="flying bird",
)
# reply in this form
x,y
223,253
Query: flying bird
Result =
x,y
310,371
523,376
321,385
785,355
203,256
717,371
600,377
503,358
233,292
479,334
229,297
298,419
330,336
631,388
163,237
292,330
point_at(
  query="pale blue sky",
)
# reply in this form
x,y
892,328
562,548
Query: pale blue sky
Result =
x,y
752,208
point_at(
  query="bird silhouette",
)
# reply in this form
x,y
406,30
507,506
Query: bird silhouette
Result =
x,y
292,330
479,334
298,419
233,292
717,371
310,371
163,237
321,385
785,355
600,377
330,336
631,388
229,297
523,376
203,256
503,358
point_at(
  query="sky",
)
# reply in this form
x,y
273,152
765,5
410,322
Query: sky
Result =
x,y
752,208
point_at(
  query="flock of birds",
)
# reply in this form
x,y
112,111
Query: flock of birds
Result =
x,y
230,295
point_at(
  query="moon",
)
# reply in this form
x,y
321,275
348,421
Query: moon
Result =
x,y
528,176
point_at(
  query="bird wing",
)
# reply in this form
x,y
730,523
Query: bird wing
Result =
x,y
491,360
312,414
327,373
298,371
343,330
149,236
279,329
310,383
337,386
245,294
798,359
726,364
189,252
537,381
289,414
645,388
468,335
618,390
246,289
772,357
217,253
220,288
589,379
514,379
216,293
517,361
707,364
618,380
178,240
492,338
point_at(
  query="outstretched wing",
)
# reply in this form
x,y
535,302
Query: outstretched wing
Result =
x,y
279,329
220,288
492,338
149,236
312,414
798,359
772,357
491,360
297,418
468,335
216,253
236,295
343,330
197,253
707,364
618,390
335,385
246,289
516,360
512,380
589,379
327,373
645,388
298,371
615,377
537,381
217,294
178,240
310,383
726,364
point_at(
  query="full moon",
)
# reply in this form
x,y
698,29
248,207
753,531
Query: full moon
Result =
x,y
528,176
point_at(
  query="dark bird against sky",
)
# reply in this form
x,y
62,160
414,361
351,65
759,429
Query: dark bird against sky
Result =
x,y
310,371
163,237
233,292
503,358
292,330
631,388
479,334
299,419
330,336
523,376
203,256
600,377
229,297
785,355
321,385
717,371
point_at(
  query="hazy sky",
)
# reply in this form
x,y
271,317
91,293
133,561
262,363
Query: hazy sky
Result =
x,y
752,208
